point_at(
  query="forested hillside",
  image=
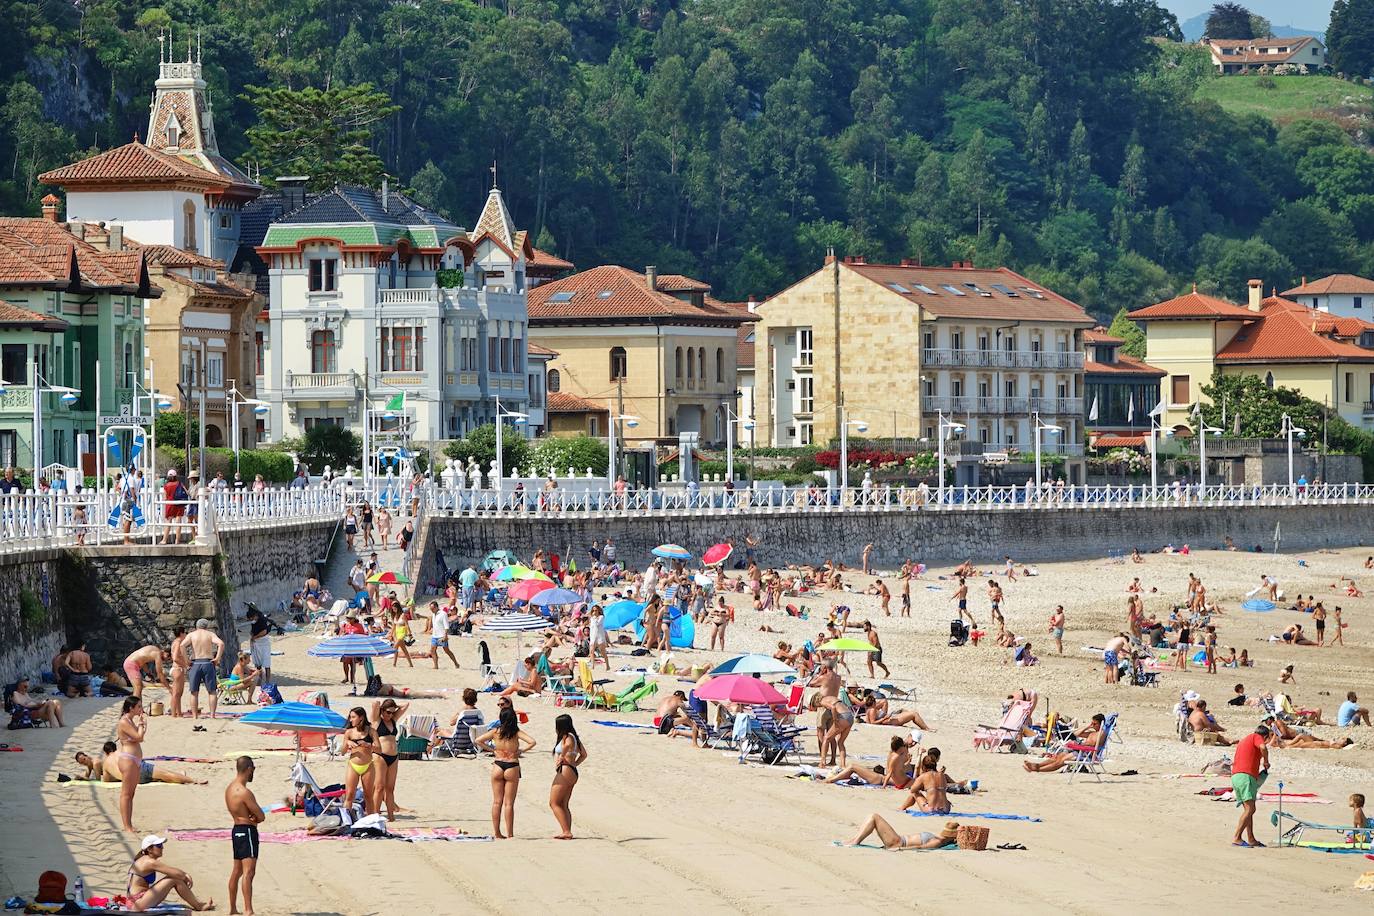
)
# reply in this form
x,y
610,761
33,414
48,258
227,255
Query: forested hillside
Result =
x,y
737,139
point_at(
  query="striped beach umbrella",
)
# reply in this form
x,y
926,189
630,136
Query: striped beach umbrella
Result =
x,y
672,552
515,623
388,578
511,573
553,597
753,664
352,646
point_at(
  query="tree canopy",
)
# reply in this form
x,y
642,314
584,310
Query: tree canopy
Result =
x,y
1229,20
1350,38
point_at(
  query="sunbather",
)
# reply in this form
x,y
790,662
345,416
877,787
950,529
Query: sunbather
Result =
x,y
1094,733
894,840
928,792
531,683
105,768
1312,742
1205,727
151,879
896,773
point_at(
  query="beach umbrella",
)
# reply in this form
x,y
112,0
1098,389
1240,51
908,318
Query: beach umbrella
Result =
x,y
753,664
516,625
740,688
622,613
351,646
551,597
672,552
846,644
526,589
388,578
703,580
535,574
511,573
717,553
295,717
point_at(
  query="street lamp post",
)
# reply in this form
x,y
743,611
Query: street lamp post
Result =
x,y
237,400
41,386
612,419
1203,430
500,458
1039,428
944,428
1289,430
845,423
749,425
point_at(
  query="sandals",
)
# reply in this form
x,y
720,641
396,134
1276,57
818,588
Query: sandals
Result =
x,y
1009,847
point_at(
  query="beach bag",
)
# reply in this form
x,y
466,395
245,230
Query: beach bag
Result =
x,y
374,684
325,824
971,837
179,494
52,888
269,695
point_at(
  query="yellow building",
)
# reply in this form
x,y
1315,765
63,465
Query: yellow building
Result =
x,y
657,346
1325,357
898,345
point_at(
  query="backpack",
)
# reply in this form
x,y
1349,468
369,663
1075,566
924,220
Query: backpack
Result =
x,y
374,684
179,493
52,888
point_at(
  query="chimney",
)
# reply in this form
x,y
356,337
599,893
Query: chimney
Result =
x,y
829,256
752,304
77,229
957,264
292,191
651,277
1256,295
50,208
386,193
116,242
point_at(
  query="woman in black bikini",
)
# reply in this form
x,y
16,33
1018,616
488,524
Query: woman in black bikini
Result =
x,y
388,713
359,742
507,742
569,753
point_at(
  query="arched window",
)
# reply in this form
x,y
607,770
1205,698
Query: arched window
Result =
x,y
324,353
555,380
720,364
691,364
701,363
1269,380
188,226
619,364
678,361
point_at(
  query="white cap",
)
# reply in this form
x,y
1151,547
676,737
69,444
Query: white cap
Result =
x,y
1192,696
152,839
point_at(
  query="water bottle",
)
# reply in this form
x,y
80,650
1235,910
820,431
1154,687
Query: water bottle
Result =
x,y
80,888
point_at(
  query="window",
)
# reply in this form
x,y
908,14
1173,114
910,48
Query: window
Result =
x,y
555,381
691,365
804,354
720,365
173,132
594,426
927,340
1010,387
678,364
701,363
226,221
76,365
983,340
958,387
214,370
952,289
324,355
561,297
259,353
806,434
984,389
806,401
130,367
1350,386
401,349
1268,380
897,287
1359,302
1006,290
14,363
1178,389
926,289
188,226
618,364
956,340
324,275
928,387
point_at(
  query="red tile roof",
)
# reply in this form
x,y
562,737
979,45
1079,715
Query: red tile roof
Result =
x,y
1111,441
220,289
1250,53
132,162
562,402
612,292
677,283
172,256
18,269
16,316
534,349
49,249
1192,305
1099,335
744,346
544,261
1336,283
1285,335
1026,300
1124,365
1324,322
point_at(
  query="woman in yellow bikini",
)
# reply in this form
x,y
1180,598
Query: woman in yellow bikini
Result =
x,y
400,630
359,744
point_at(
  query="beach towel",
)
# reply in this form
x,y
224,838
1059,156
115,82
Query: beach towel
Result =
x,y
1334,846
609,723
262,752
1289,798
983,815
1259,605
843,845
186,759
291,837
95,783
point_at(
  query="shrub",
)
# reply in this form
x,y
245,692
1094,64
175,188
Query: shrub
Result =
x,y
480,445
274,466
576,452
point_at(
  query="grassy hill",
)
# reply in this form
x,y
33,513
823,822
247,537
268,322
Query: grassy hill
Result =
x,y
1284,98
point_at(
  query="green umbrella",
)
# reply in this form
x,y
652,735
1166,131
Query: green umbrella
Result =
x,y
845,644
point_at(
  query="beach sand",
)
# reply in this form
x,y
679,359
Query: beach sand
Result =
x,y
663,824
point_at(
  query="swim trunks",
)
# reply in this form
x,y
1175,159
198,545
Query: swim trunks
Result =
x,y
203,672
1109,658
145,772
245,840
963,604
1246,787
1057,632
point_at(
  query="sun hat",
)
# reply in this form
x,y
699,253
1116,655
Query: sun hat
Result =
x,y
1192,696
152,839
951,829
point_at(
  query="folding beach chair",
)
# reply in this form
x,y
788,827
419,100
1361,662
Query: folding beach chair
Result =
x,y
1008,732
1088,758
413,741
711,736
233,691
327,622
497,675
609,700
768,722
1293,835
331,802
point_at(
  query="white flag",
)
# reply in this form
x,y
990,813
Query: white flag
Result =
x,y
1159,408
1092,414
1130,408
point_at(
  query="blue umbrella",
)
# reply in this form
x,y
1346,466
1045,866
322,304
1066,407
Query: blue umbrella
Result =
x,y
551,597
296,717
352,645
622,614
672,552
753,664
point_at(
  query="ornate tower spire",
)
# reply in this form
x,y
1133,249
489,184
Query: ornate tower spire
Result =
x,y
180,121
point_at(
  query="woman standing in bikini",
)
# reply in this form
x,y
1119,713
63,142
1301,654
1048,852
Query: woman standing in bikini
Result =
x,y
178,672
359,742
384,526
388,713
130,732
507,742
569,753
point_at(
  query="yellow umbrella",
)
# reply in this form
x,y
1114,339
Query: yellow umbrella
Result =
x,y
534,574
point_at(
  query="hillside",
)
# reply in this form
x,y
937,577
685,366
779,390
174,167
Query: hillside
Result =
x,y
1284,98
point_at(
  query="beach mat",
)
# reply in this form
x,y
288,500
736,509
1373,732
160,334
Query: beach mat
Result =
x,y
292,837
611,723
187,759
988,816
111,785
1320,846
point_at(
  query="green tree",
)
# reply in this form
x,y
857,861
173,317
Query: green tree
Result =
x,y
169,428
1129,331
480,446
973,180
1229,20
576,452
1350,37
327,444
324,133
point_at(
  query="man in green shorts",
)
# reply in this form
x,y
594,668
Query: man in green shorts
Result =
x,y
1249,770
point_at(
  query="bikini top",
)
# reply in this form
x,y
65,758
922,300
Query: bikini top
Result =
x,y
365,739
384,730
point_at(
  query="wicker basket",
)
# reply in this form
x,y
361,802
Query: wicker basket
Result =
x,y
971,837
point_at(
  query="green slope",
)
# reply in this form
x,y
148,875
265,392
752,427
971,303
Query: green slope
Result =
x,y
1284,98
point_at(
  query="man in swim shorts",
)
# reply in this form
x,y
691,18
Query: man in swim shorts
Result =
x,y
203,650
1249,770
247,814
1111,656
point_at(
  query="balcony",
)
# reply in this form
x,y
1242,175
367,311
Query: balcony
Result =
x,y
1001,359
323,386
1368,409
1013,406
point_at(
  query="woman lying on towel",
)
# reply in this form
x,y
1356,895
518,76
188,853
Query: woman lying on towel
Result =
x,y
897,772
894,840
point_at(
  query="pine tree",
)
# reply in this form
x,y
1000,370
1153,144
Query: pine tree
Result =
x,y
1350,38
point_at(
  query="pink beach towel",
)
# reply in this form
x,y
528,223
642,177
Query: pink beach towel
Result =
x,y
292,837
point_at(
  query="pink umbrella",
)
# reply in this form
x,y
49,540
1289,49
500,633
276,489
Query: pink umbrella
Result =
x,y
718,553
739,688
526,589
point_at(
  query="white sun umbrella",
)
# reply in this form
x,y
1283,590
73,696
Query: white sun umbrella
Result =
x,y
516,625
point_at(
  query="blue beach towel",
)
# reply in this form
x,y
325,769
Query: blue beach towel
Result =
x,y
1258,604
613,724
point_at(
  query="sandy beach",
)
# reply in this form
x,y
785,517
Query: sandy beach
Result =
x,y
660,822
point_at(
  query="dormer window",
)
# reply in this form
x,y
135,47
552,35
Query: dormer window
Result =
x,y
173,132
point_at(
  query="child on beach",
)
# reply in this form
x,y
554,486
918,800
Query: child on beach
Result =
x,y
1361,833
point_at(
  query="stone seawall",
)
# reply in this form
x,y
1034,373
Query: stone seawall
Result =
x,y
31,612
266,566
931,537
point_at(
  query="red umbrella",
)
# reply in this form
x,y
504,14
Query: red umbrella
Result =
x,y
739,688
718,553
526,589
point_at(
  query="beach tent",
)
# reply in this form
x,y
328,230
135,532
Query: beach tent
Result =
x,y
498,558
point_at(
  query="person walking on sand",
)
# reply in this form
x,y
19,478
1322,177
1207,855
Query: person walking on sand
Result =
x,y
906,593
1057,628
438,635
178,688
201,651
961,597
130,731
884,596
1336,635
243,836
569,753
1249,770
875,658
868,553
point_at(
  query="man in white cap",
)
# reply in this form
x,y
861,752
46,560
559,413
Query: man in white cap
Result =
x,y
202,651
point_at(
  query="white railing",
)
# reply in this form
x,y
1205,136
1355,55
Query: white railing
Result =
x,y
324,380
37,520
1001,359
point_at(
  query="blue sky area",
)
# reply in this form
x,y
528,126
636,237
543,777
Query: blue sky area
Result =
x,y
1305,14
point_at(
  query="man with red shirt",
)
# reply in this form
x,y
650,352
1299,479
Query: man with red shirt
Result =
x,y
351,627
1249,770
173,494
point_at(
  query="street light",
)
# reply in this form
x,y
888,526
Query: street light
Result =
x,y
731,418
236,400
1288,430
500,418
950,428
612,418
845,423
1203,430
69,396
748,423
1039,428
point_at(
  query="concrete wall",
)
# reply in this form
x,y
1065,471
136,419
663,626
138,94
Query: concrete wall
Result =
x,y
794,537
266,566
33,636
